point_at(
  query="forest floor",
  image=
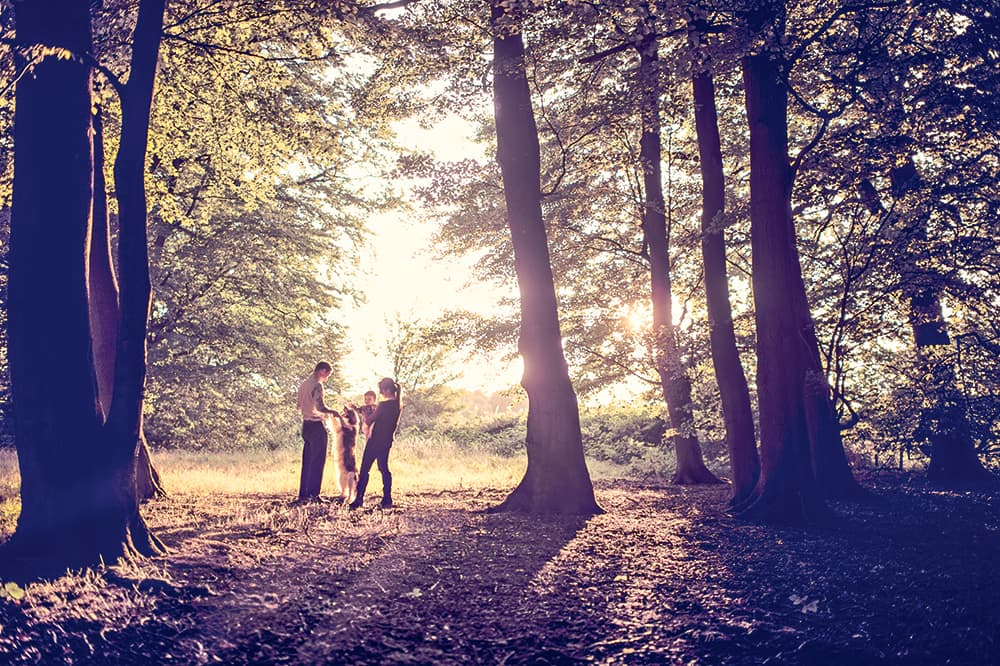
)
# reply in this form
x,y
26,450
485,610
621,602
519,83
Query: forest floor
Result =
x,y
664,576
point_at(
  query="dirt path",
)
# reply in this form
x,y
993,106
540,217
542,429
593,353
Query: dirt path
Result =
x,y
662,577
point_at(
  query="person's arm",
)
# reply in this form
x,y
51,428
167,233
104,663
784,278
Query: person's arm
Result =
x,y
321,407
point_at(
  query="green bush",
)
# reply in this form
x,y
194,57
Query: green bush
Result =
x,y
502,436
621,435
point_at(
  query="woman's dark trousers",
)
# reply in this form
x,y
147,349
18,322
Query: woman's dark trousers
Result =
x,y
375,454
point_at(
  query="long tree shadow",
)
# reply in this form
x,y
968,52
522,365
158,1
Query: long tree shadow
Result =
x,y
453,587
907,579
664,576
433,582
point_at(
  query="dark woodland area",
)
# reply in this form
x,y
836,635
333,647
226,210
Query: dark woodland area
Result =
x,y
744,253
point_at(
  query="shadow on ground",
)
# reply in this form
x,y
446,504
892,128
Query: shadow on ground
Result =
x,y
664,576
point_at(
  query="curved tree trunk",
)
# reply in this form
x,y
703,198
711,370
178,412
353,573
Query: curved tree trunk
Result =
x,y
74,510
105,315
101,279
148,484
673,379
556,480
802,456
124,423
735,394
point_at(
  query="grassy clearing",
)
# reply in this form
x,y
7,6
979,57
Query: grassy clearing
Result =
x,y
420,464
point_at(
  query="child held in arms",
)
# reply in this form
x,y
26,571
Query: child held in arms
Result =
x,y
367,412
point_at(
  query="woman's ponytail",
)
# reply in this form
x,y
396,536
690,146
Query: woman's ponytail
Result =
x,y
387,384
399,393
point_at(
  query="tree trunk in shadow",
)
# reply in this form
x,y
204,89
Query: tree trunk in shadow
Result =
x,y
556,480
734,392
124,423
945,421
802,455
77,490
147,480
105,314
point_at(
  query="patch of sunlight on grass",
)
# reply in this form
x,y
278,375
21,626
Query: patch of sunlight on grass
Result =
x,y
418,463
234,472
436,463
10,489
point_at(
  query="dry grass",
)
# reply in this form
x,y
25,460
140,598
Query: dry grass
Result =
x,y
10,484
419,464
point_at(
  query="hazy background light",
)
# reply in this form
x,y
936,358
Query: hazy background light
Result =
x,y
403,279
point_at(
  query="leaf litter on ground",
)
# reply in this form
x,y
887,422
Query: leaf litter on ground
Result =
x,y
663,576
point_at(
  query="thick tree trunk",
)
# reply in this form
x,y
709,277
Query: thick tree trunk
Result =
x,y
954,461
734,392
73,510
556,480
673,379
802,456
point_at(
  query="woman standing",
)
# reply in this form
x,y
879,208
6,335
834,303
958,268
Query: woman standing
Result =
x,y
379,442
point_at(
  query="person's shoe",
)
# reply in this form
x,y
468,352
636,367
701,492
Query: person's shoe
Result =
x,y
299,501
356,504
386,504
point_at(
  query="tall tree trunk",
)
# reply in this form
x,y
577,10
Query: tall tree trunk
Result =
x,y
105,314
802,455
735,394
71,508
124,423
673,379
954,461
556,480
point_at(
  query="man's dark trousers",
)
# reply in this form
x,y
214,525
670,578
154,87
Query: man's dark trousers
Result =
x,y
314,438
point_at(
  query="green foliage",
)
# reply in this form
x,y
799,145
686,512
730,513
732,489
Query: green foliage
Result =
x,y
502,436
622,434
271,142
11,591
618,434
872,88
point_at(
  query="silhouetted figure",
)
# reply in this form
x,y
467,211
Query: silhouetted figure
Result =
x,y
314,435
383,429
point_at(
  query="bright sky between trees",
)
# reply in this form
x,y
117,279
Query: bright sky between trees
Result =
x,y
404,280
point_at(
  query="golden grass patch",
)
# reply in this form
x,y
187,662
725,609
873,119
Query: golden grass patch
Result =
x,y
420,464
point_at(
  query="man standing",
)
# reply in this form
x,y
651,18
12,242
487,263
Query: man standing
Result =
x,y
314,435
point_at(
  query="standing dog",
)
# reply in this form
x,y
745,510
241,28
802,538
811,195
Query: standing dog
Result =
x,y
345,433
